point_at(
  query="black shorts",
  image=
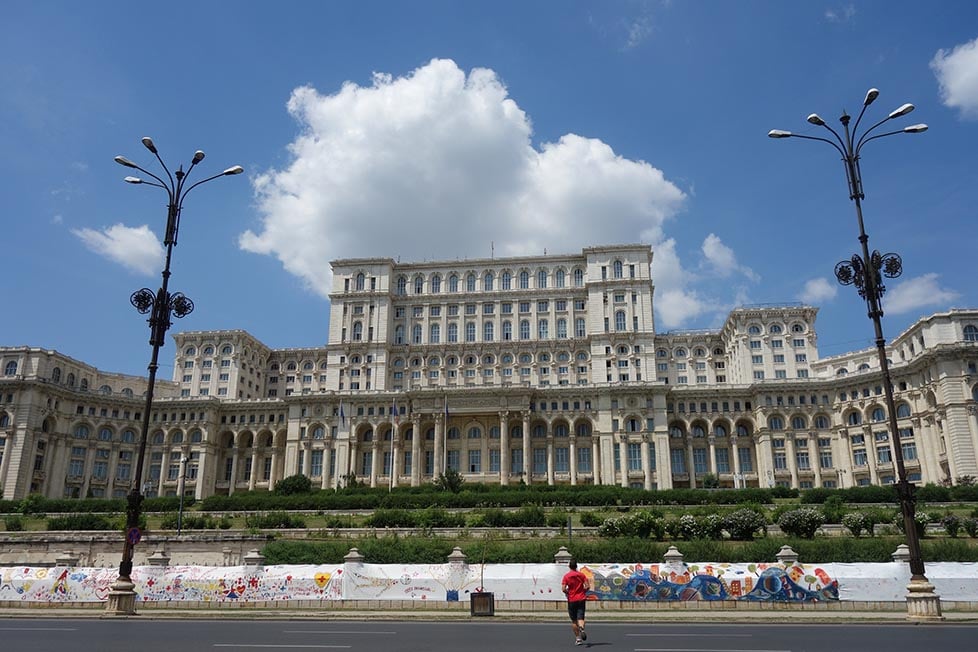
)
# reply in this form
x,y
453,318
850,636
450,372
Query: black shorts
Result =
x,y
576,609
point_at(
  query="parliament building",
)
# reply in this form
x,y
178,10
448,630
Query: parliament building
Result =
x,y
544,369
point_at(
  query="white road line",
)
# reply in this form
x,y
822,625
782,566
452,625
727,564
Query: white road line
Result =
x,y
690,649
330,631
38,629
282,645
696,635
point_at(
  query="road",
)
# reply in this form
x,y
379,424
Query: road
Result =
x,y
134,635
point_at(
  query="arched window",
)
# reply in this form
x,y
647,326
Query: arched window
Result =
x,y
56,375
754,329
719,430
822,422
561,430
401,285
357,331
470,282
583,429
157,438
470,331
542,278
524,280
475,432
190,351
196,436
698,431
105,434
797,328
561,328
971,333
742,430
775,329
578,277
580,327
435,284
903,410
619,320
319,432
416,334
453,283
507,281
559,278
680,353
209,350
83,385
524,329
399,334
854,419
71,380
878,415
617,269
10,369
226,350
177,438
539,431
543,329
507,331
487,281
798,423
418,284
488,359
775,423
841,372
676,432
359,284
453,433
435,336
453,332
128,437
487,332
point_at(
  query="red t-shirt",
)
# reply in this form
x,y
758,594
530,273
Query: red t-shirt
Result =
x,y
575,582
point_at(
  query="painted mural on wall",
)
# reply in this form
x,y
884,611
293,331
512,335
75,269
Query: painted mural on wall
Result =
x,y
751,582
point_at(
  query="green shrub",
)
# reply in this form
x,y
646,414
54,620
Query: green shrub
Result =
x,y
591,519
856,523
834,509
952,525
742,524
970,526
294,484
194,522
275,521
802,522
81,522
557,518
643,525
13,524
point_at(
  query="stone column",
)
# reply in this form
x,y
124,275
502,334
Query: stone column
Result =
x,y
306,458
735,452
234,469
572,453
273,476
791,455
504,461
690,463
252,481
647,461
440,442
712,461
416,454
375,455
550,456
395,455
527,450
594,441
324,479
623,459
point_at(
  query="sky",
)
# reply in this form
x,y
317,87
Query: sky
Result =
x,y
440,130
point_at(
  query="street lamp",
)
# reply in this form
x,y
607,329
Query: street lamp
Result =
x,y
866,272
161,306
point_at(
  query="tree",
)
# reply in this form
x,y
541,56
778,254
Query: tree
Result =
x,y
450,480
294,484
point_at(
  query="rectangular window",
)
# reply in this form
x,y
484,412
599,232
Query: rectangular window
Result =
x,y
723,460
475,461
562,459
539,460
584,460
780,461
700,460
493,460
859,457
634,457
516,461
825,459
452,460
804,464
677,457
745,460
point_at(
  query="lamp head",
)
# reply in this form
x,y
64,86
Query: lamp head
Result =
x,y
815,120
903,110
871,96
148,144
198,156
237,169
915,129
122,160
779,133
135,180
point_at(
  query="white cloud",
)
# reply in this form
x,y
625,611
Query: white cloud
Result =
x,y
439,163
722,259
638,31
842,15
957,73
915,293
137,249
818,291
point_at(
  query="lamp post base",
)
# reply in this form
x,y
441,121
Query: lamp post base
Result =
x,y
922,603
122,599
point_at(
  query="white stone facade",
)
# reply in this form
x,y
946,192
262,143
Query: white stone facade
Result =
x,y
536,369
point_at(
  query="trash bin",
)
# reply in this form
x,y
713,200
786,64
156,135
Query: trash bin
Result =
x,y
482,604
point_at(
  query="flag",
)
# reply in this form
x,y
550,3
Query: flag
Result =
x,y
397,418
342,415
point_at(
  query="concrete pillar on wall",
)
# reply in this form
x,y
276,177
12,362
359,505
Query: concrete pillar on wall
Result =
x,y
623,459
395,456
440,427
253,480
233,452
417,457
572,453
527,450
646,462
690,463
504,461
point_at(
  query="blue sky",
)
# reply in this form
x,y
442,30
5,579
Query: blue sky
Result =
x,y
432,130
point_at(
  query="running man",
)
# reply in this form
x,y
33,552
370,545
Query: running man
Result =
x,y
575,586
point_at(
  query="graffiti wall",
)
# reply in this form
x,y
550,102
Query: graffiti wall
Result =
x,y
454,582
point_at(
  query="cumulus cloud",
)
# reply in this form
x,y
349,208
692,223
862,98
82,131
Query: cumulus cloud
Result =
x,y
137,249
817,291
440,163
722,260
841,15
915,293
957,74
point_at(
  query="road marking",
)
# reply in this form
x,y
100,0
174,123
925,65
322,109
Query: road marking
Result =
x,y
697,635
38,629
283,645
690,649
330,631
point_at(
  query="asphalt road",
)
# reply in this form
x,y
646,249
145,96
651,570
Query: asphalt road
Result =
x,y
134,635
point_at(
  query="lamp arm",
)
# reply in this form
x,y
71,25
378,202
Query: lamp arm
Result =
x,y
186,192
824,140
165,169
865,140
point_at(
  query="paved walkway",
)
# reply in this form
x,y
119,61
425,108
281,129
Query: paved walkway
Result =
x,y
559,615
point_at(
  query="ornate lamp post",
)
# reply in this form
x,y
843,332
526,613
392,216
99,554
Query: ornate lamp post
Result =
x,y
161,307
866,272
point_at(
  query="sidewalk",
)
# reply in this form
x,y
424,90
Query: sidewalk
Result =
x,y
700,616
